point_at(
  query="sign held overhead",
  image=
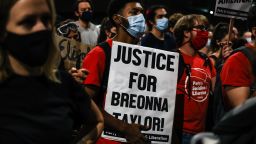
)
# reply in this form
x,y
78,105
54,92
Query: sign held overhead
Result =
x,y
232,8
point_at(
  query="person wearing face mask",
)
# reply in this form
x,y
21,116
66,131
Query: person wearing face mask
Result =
x,y
196,82
39,104
107,30
156,17
127,16
88,31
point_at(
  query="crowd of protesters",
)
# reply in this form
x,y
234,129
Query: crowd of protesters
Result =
x,y
42,102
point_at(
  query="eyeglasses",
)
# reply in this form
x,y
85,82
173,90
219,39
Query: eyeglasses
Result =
x,y
66,28
226,43
201,27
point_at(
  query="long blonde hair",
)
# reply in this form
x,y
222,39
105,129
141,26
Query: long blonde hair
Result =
x,y
50,67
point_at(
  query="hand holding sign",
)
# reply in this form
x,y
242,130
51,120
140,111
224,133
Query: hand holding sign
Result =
x,y
79,74
133,134
141,91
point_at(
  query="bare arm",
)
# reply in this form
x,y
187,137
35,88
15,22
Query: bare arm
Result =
x,y
237,95
95,126
131,131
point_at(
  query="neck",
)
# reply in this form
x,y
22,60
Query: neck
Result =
x,y
83,24
21,69
158,34
187,49
123,36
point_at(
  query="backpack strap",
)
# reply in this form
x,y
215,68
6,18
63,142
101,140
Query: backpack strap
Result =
x,y
214,57
207,61
181,65
104,82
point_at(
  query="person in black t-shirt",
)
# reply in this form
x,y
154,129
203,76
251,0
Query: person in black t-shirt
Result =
x,y
156,17
38,104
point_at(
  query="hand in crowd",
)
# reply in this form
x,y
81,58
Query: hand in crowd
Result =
x,y
226,51
133,134
79,74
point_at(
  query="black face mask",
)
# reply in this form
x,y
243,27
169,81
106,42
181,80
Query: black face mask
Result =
x,y
31,49
86,16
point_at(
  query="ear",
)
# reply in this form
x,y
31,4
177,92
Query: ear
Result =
x,y
187,34
76,13
107,33
116,19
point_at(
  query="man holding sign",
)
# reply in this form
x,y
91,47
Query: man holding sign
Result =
x,y
129,20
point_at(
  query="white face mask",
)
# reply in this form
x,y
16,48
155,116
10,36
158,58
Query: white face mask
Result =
x,y
208,44
249,40
137,25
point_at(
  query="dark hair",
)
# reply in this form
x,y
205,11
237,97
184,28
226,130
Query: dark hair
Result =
x,y
220,31
116,6
106,25
151,13
185,23
238,43
75,7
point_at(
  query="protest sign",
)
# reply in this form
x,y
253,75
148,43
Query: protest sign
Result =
x,y
232,8
142,89
72,52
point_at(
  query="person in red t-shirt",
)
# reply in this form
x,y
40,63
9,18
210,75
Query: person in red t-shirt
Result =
x,y
127,16
237,74
196,82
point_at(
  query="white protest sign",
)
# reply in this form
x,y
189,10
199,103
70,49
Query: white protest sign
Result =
x,y
232,8
72,52
142,89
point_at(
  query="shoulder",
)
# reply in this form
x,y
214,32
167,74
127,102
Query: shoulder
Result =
x,y
237,58
148,38
236,63
93,27
98,52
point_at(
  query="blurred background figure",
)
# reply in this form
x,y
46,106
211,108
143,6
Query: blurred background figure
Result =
x,y
173,20
220,46
107,30
69,29
89,32
247,35
157,24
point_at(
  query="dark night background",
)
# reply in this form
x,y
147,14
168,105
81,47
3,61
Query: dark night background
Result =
x,y
65,10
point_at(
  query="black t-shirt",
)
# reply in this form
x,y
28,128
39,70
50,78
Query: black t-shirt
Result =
x,y
168,44
35,110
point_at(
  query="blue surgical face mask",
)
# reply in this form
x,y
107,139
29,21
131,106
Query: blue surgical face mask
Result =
x,y
162,24
137,25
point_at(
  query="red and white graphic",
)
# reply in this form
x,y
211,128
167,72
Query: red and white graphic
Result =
x,y
200,82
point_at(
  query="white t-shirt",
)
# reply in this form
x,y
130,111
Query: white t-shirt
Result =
x,y
89,35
